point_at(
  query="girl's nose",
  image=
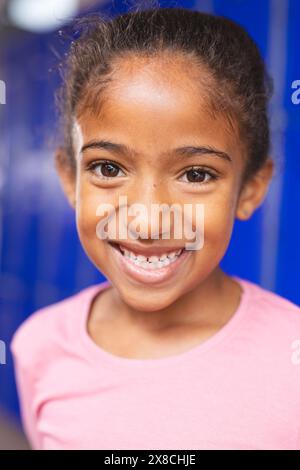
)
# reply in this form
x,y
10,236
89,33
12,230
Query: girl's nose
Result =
x,y
145,207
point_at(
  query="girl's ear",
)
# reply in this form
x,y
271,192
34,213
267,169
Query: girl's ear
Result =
x,y
67,175
253,194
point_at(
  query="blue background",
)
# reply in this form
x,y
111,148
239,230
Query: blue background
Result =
x,y
40,256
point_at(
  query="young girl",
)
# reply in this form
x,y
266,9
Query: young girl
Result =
x,y
162,106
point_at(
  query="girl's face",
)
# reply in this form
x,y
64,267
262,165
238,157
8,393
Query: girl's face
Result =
x,y
146,118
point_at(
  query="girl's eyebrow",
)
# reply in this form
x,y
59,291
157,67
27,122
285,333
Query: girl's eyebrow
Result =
x,y
186,151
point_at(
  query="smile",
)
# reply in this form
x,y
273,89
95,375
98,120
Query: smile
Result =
x,y
157,266
151,262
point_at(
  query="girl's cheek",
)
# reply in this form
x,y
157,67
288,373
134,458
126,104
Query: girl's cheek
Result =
x,y
86,210
218,212
93,208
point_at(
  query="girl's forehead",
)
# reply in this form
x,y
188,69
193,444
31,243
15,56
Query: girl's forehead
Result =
x,y
151,137
142,97
149,125
140,107
157,82
151,83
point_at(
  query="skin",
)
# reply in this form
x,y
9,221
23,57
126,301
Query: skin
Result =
x,y
154,115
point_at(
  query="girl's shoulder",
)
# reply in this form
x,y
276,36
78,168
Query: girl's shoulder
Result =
x,y
41,332
272,326
275,308
266,296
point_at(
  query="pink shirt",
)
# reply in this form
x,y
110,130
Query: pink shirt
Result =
x,y
239,389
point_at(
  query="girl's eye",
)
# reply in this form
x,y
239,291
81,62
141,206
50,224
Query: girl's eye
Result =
x,y
197,175
105,169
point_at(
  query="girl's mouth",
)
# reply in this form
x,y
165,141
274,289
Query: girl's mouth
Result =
x,y
146,268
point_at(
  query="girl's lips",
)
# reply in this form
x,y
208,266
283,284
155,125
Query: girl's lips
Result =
x,y
144,275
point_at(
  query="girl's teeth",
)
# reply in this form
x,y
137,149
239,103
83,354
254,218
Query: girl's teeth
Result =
x,y
153,259
153,262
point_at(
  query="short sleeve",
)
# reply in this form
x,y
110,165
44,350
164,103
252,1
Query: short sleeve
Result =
x,y
25,388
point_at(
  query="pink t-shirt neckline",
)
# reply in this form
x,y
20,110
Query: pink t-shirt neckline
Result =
x,y
98,354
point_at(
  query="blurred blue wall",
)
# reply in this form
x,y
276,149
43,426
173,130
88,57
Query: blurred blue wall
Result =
x,y
40,257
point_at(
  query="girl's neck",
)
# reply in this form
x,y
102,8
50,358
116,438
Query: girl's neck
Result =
x,y
210,304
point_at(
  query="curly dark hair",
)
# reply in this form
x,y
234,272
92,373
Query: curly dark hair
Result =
x,y
236,81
